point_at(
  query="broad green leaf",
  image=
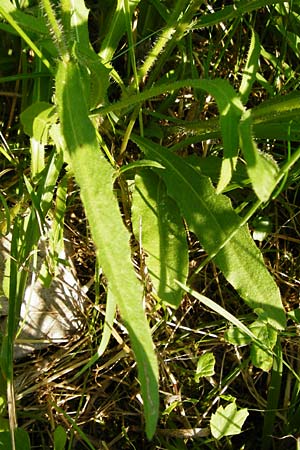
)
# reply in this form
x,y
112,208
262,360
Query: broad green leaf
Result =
x,y
75,17
228,167
36,119
262,169
235,336
60,438
94,175
22,441
261,347
230,108
268,337
36,25
210,166
205,366
227,421
4,424
158,226
217,226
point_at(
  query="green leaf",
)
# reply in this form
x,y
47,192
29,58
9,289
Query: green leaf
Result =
x,y
4,425
261,346
22,441
219,310
115,29
262,226
205,366
75,18
139,164
60,438
210,166
227,421
37,25
158,226
106,334
94,175
295,315
36,120
217,226
251,67
228,167
268,337
262,169
236,337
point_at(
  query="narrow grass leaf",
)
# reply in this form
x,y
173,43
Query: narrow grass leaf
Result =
x,y
139,164
116,28
219,310
217,226
94,176
29,22
158,225
9,17
110,313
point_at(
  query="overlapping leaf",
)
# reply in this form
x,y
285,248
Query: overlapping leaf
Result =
x,y
213,219
158,225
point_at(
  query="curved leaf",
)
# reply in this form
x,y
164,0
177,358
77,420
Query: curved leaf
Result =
x,y
158,225
217,226
262,170
94,176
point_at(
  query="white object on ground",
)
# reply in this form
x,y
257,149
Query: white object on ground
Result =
x,y
49,315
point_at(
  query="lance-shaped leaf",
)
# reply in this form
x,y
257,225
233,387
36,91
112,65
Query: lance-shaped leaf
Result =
x,y
251,67
212,218
94,175
158,225
262,170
